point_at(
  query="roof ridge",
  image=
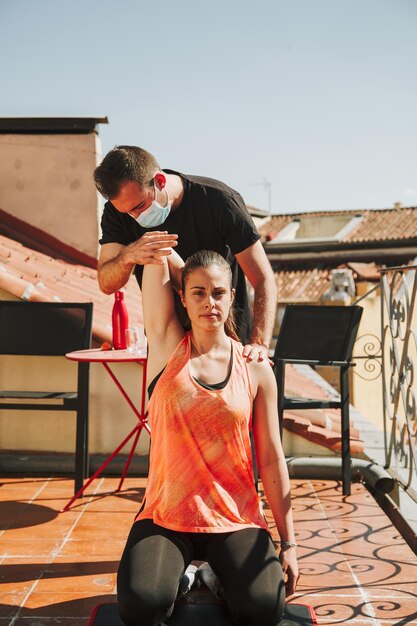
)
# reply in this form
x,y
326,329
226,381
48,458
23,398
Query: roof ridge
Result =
x,y
344,211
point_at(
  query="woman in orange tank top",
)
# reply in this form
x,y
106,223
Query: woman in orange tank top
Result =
x,y
201,502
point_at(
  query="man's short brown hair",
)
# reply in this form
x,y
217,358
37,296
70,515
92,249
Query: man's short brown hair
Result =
x,y
121,164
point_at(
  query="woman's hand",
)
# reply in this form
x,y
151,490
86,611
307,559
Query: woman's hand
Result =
x,y
288,560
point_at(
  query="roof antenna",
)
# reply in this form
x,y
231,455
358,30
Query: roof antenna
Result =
x,y
267,187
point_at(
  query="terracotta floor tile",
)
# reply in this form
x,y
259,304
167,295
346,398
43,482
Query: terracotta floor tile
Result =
x,y
20,480
59,528
315,534
325,487
301,488
325,573
34,513
104,518
60,490
86,583
10,603
355,609
61,483
109,503
28,547
342,525
355,503
353,527
402,555
18,576
55,503
306,510
399,591
390,609
18,560
25,492
84,559
64,567
57,492
377,573
85,547
335,609
390,552
101,535
105,502
311,555
24,586
387,535
58,604
103,525
348,590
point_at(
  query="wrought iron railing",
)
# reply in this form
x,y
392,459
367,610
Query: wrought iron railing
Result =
x,y
367,354
399,368
367,357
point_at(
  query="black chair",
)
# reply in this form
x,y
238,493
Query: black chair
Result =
x,y
319,335
50,329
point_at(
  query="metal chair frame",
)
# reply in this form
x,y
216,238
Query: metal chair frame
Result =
x,y
50,329
319,335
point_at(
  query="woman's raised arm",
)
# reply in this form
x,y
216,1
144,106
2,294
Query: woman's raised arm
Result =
x,y
163,330
176,265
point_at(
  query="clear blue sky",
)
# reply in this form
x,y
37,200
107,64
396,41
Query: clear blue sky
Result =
x,y
318,97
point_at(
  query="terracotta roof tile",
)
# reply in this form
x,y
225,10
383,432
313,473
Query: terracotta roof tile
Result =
x,y
25,273
309,284
364,271
376,225
303,285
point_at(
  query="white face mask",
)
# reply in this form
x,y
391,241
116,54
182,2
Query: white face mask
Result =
x,y
155,214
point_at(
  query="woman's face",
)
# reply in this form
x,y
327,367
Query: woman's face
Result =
x,y
207,297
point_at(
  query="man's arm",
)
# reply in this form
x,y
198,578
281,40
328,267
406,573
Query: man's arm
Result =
x,y
116,262
258,271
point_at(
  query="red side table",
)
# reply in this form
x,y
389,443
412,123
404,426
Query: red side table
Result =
x,y
106,358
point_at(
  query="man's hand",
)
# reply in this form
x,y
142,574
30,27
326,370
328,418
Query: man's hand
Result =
x,y
255,352
149,248
117,262
288,560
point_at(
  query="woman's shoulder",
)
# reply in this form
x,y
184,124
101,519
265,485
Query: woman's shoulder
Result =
x,y
261,374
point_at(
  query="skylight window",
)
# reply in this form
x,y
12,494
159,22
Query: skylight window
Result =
x,y
317,228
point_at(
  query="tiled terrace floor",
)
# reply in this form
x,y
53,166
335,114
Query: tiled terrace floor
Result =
x,y
355,568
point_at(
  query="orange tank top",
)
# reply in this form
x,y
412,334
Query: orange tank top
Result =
x,y
201,475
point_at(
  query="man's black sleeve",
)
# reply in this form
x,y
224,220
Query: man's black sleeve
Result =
x,y
112,227
235,224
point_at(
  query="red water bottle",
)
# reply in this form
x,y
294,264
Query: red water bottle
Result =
x,y
120,321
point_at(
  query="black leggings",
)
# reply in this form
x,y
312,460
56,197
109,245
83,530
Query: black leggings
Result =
x,y
155,558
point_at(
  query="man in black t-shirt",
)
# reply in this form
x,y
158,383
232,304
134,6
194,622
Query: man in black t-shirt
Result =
x,y
150,210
